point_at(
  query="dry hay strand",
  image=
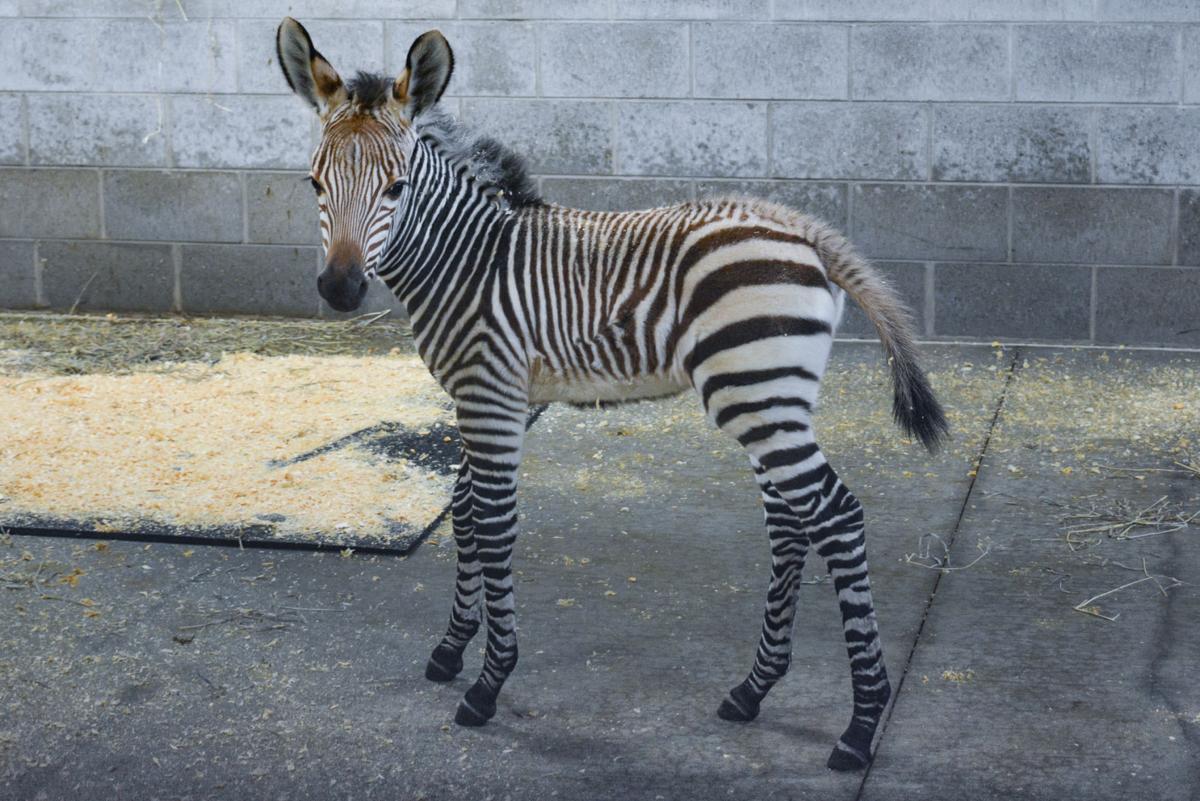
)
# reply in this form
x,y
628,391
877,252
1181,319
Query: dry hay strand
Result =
x,y
1123,520
1089,607
1188,464
926,557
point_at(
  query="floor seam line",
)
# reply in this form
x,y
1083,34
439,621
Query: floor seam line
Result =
x,y
978,466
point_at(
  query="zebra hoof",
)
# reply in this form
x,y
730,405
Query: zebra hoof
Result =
x,y
476,708
468,715
844,759
739,707
443,665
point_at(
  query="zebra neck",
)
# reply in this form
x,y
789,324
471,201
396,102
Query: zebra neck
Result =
x,y
443,253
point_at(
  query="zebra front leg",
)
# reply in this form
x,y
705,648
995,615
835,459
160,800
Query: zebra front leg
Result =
x,y
446,661
492,440
789,546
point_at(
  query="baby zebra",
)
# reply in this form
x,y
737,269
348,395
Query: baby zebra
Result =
x,y
515,301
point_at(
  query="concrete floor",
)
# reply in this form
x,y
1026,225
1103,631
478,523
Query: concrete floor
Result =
x,y
161,671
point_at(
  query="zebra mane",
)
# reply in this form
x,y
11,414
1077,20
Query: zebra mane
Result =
x,y
492,164
369,90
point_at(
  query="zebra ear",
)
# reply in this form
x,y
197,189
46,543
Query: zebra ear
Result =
x,y
307,72
426,73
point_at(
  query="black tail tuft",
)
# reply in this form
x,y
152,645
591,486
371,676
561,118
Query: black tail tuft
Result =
x,y
914,406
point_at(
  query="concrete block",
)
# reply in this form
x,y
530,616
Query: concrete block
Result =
x,y
1092,225
1011,10
852,10
490,58
12,135
769,60
249,279
615,194
1011,143
49,203
695,10
281,209
908,279
95,8
173,206
379,298
825,201
614,60
18,285
534,9
97,130
929,62
117,55
920,221
1148,11
1189,227
252,131
1147,145
555,136
719,139
1012,300
1148,306
348,45
1191,64
1096,63
107,276
850,140
305,10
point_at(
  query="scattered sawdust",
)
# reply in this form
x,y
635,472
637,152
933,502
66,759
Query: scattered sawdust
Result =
x,y
958,676
1076,408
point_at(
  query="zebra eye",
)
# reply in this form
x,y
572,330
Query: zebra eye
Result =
x,y
393,191
316,185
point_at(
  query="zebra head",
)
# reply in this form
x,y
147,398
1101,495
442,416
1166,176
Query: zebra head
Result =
x,y
361,165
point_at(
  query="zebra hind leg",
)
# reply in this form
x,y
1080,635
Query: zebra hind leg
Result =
x,y
789,546
446,662
836,532
832,519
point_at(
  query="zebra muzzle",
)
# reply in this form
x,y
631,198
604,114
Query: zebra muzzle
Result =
x,y
342,286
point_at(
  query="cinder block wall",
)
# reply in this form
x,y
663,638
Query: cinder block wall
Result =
x,y
1021,168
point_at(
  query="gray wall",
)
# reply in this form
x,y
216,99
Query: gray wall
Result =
x,y
1021,168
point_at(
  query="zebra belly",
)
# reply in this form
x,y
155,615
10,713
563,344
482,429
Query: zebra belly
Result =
x,y
549,387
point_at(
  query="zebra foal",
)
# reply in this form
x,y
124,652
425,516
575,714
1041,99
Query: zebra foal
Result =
x,y
516,301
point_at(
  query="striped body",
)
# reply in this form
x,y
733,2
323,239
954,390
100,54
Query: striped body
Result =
x,y
516,302
610,306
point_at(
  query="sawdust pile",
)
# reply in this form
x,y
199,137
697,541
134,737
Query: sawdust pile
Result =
x,y
190,444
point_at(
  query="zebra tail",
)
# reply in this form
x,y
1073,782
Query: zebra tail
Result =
x,y
914,406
